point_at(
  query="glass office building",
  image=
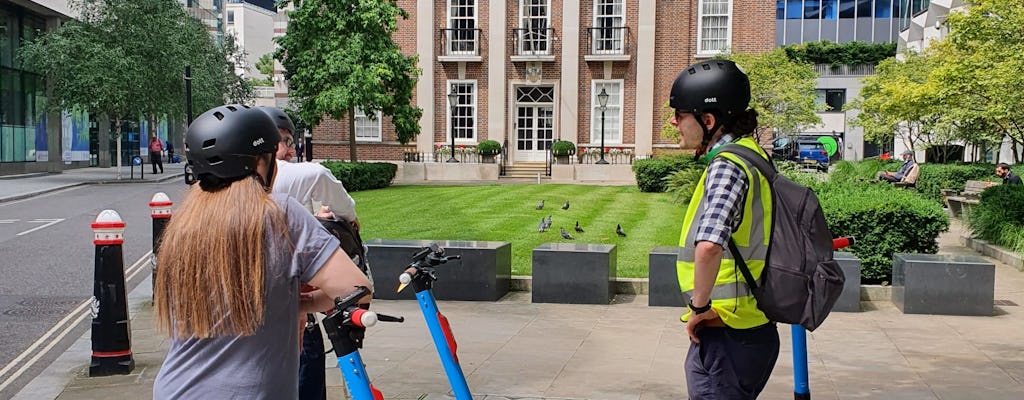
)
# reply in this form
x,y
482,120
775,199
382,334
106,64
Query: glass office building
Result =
x,y
875,21
22,91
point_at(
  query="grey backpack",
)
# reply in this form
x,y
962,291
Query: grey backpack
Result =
x,y
800,282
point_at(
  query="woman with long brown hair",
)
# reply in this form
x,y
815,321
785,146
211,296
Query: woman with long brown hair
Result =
x,y
231,261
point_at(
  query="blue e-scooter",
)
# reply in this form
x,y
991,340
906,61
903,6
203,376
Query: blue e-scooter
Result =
x,y
346,327
421,274
801,385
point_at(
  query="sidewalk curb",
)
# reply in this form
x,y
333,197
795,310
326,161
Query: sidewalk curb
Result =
x,y
997,252
71,185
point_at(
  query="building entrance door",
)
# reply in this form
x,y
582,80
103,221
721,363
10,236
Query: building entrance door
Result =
x,y
534,122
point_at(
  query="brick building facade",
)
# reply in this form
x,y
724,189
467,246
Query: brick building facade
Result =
x,y
528,72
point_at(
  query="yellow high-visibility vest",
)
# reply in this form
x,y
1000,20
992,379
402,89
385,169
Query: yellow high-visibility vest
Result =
x,y
731,297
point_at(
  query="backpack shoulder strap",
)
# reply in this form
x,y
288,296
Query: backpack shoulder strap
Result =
x,y
753,158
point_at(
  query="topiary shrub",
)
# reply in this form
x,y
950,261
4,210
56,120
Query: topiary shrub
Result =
x,y
563,148
488,147
652,172
999,218
361,175
885,220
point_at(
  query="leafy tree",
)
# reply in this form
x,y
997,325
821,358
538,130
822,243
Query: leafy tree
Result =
x,y
835,54
781,90
340,55
981,80
125,59
265,65
899,101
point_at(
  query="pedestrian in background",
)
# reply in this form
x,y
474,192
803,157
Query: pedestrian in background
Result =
x,y
227,292
1009,178
156,155
733,345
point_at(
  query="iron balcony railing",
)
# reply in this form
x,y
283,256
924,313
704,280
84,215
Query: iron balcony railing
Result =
x,y
532,41
460,42
608,41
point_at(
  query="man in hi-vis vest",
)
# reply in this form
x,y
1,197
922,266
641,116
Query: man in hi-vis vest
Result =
x,y
733,346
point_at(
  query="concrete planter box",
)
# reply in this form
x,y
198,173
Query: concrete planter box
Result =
x,y
462,172
849,300
574,273
1003,255
482,274
662,279
942,284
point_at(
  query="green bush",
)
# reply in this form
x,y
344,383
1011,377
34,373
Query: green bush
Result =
x,y
563,148
361,175
488,147
950,176
651,173
884,220
847,53
683,182
861,171
1000,216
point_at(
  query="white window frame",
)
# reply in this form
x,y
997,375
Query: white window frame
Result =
x,y
621,39
449,25
595,112
230,17
473,105
524,24
701,51
364,122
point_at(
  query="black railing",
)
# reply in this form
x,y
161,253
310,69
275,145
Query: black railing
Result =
x,y
608,41
532,41
503,165
460,42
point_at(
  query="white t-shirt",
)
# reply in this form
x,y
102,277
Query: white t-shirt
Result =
x,y
314,185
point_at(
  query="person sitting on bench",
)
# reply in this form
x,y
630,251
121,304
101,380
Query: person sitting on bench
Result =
x,y
906,175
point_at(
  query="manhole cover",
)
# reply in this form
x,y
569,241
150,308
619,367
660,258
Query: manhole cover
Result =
x,y
1004,303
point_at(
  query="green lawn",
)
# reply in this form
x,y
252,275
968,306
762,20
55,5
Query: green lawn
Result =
x,y
507,213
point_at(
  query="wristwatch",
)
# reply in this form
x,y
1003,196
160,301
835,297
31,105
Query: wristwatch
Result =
x,y
699,310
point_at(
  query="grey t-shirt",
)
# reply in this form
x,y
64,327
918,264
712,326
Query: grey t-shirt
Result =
x,y
264,365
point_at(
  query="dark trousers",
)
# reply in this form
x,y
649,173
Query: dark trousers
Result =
x,y
156,160
731,364
312,364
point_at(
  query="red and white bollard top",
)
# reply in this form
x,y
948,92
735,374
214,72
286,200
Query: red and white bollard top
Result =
x,y
160,206
109,228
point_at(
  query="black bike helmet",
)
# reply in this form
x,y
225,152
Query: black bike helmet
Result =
x,y
280,118
714,85
226,141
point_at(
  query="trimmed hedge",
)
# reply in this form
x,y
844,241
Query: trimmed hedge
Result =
x,y
932,179
651,173
848,53
885,220
999,218
361,175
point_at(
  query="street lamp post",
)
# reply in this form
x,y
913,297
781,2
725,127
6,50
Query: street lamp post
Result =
x,y
602,102
453,101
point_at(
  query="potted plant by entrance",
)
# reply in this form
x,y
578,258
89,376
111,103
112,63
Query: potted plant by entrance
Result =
x,y
487,150
562,149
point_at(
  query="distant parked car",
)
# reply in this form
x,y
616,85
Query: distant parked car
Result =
x,y
802,150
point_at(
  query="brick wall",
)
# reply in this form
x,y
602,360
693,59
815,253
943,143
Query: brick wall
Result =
x,y
594,70
444,71
550,70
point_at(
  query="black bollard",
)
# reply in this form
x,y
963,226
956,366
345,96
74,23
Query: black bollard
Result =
x,y
111,331
160,211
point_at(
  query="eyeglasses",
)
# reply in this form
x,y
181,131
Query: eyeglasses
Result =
x,y
288,140
681,113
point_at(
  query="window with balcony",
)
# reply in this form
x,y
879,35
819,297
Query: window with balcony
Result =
x,y
533,37
612,113
462,117
368,129
461,38
714,25
608,35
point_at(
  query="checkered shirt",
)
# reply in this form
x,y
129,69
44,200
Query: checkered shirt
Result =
x,y
724,190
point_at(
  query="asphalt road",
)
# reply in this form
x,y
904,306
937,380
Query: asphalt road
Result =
x,y
47,262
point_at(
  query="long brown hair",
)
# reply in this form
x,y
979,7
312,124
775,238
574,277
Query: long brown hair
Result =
x,y
210,270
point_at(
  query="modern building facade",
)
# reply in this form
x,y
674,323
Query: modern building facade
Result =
x,y
841,21
253,29
528,72
30,138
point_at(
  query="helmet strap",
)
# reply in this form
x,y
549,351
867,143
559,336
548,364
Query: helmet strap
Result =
x,y
708,134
